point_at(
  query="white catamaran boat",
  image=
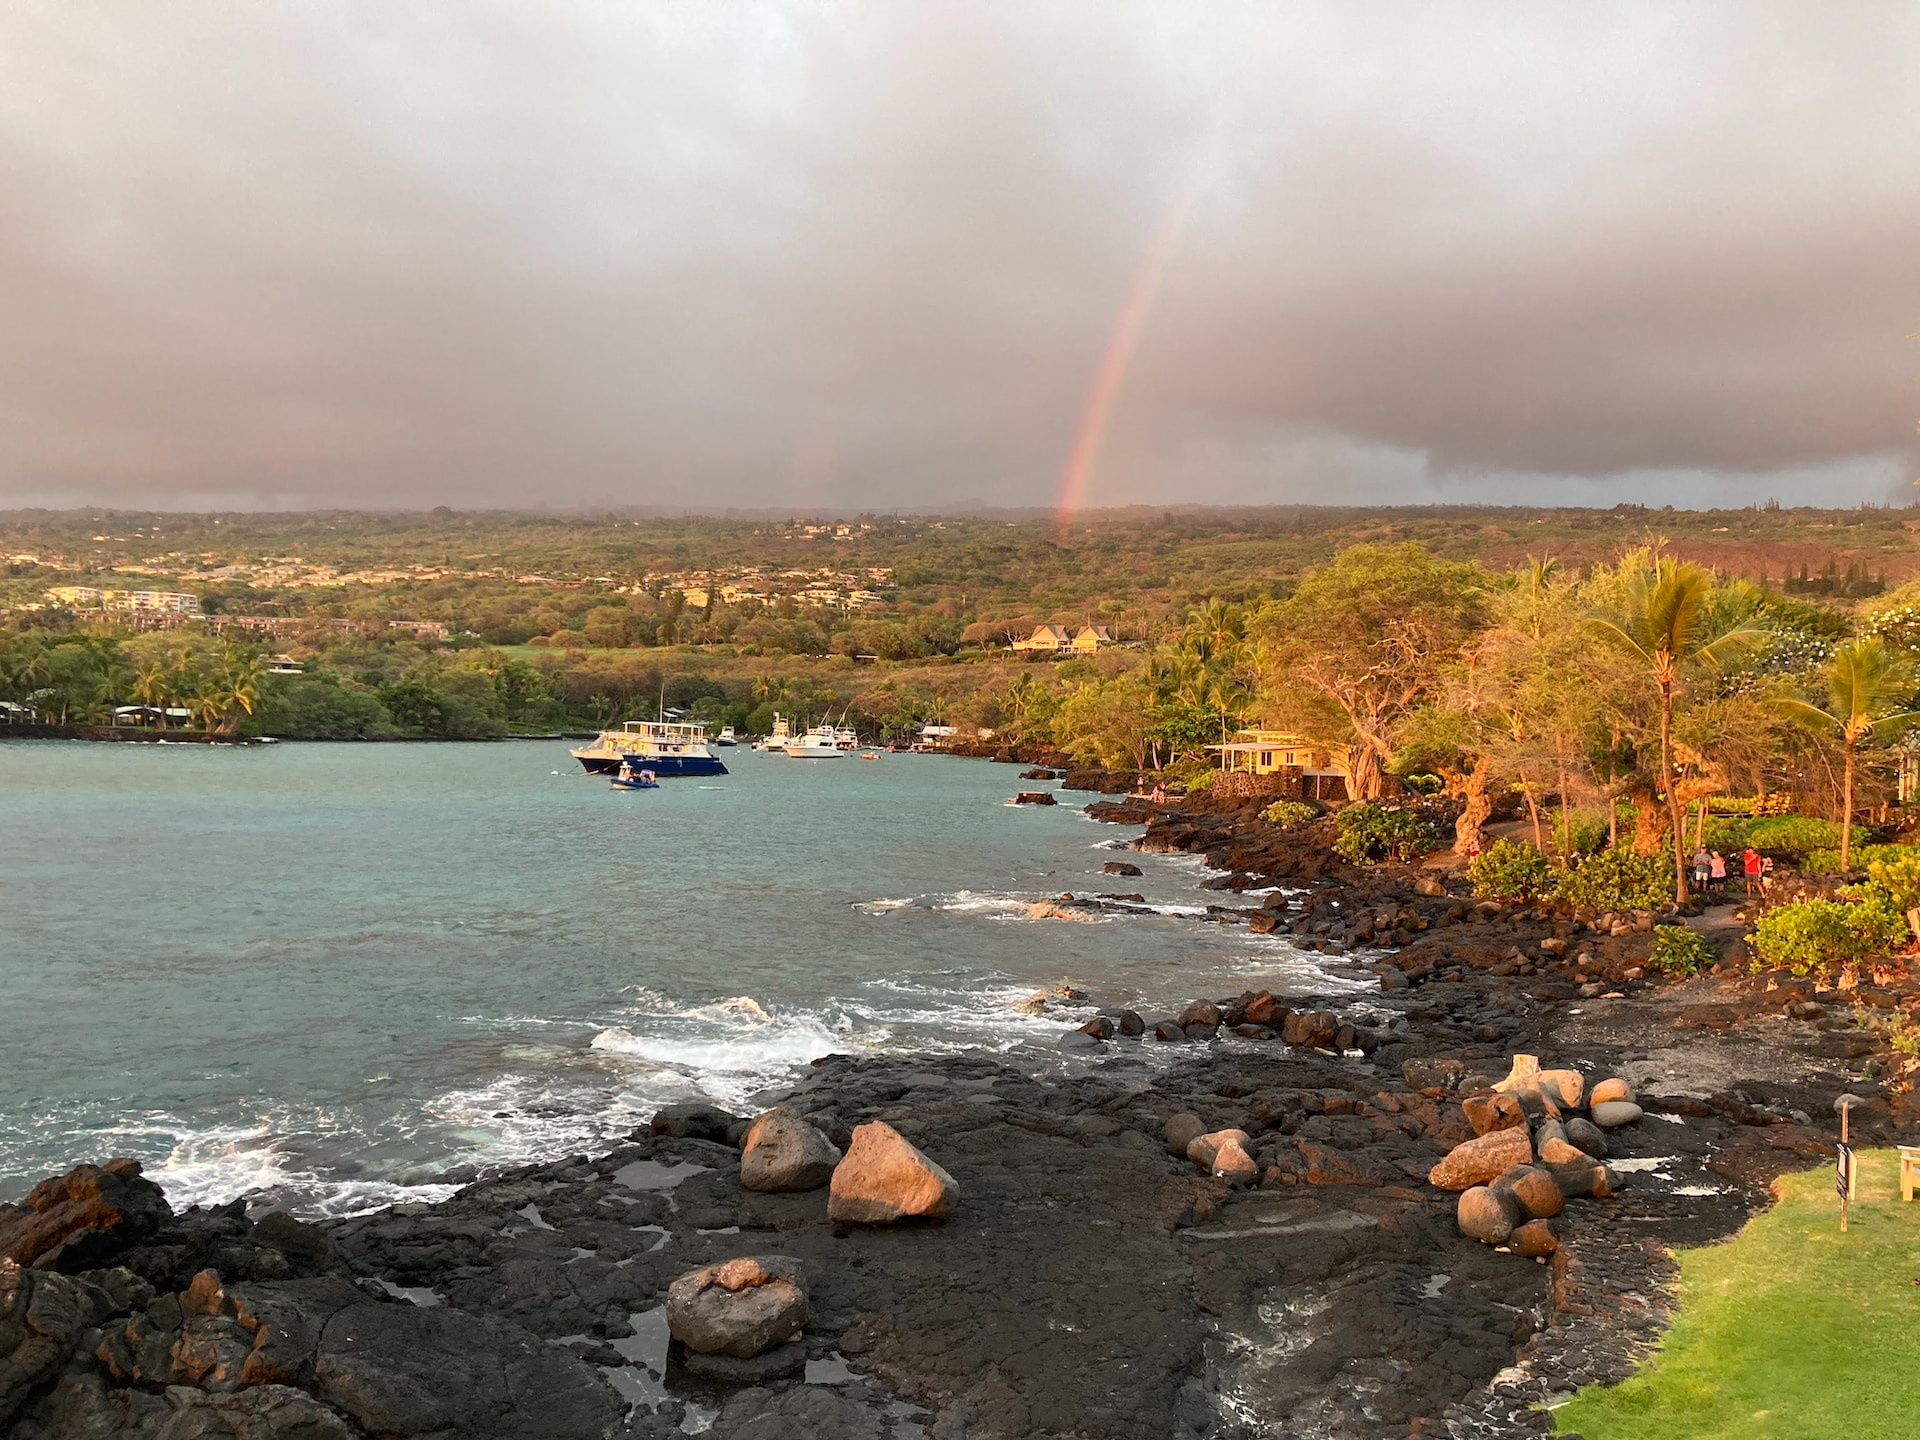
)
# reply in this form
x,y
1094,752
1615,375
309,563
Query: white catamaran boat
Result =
x,y
666,747
817,744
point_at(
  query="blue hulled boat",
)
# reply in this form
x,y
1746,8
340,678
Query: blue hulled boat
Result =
x,y
666,747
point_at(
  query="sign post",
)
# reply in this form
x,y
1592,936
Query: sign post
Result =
x,y
1844,1173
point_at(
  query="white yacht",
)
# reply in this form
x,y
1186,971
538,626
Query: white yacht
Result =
x,y
819,743
666,747
779,739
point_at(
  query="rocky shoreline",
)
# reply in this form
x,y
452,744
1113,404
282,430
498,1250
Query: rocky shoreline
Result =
x,y
1093,1275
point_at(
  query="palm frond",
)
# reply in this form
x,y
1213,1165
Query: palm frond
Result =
x,y
1616,637
1805,714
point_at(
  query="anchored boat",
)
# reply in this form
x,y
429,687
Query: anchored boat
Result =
x,y
666,747
819,743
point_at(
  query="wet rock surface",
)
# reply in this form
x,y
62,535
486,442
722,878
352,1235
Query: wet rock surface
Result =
x,y
1090,1277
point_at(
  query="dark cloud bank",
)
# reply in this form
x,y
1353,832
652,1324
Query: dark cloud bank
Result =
x,y
516,253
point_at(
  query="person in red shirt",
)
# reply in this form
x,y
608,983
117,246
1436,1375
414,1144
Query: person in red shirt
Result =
x,y
1750,867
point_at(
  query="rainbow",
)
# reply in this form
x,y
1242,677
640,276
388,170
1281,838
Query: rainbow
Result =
x,y
1125,336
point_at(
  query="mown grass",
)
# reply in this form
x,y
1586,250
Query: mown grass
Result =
x,y
1788,1331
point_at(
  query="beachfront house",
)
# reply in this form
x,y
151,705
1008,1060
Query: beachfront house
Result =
x,y
1089,638
1282,763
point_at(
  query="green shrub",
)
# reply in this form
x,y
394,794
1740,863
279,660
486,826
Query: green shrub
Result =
x,y
1586,832
1827,862
1422,784
1200,784
1792,835
1511,870
1679,952
1896,870
1289,812
1618,879
1370,833
1811,936
1727,833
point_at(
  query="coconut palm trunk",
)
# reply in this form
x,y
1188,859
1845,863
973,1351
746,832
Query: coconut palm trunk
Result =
x,y
1676,826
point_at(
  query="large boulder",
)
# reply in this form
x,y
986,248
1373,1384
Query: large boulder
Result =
x,y
1493,1112
1533,1190
883,1179
1565,1087
1605,1090
1311,1029
1181,1130
782,1152
740,1307
1202,1148
1486,1215
1520,1075
85,1219
1482,1159
1586,1136
1224,1153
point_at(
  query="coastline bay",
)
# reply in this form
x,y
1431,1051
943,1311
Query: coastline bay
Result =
x,y
335,971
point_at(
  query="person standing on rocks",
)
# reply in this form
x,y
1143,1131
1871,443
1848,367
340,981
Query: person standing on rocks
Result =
x,y
1750,868
1717,870
1702,868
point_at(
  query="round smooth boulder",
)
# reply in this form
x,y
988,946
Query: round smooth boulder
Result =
x,y
884,1178
1486,1215
782,1152
1586,1135
1533,1190
1181,1130
1605,1090
739,1307
1612,1114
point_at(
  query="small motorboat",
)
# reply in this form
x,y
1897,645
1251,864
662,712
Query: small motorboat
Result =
x,y
726,737
628,778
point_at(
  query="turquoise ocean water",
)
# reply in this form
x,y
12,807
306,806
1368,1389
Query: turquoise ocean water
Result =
x,y
333,971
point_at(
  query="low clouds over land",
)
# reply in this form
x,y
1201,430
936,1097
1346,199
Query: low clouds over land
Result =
x,y
873,255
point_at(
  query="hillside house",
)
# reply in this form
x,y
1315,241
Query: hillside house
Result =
x,y
1058,640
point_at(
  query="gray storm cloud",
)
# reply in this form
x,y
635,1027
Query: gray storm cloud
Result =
x,y
876,255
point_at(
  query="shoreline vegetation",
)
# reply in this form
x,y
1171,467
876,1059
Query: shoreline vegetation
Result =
x,y
1242,1217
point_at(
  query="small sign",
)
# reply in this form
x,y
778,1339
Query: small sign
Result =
x,y
1843,1172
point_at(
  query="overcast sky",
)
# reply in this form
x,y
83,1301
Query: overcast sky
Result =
x,y
695,253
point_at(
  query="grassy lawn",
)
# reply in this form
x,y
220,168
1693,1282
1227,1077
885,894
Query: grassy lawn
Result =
x,y
1789,1331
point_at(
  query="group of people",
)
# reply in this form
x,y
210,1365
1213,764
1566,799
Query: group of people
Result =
x,y
1710,870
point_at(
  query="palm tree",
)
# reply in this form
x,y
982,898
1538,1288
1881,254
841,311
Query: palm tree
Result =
x,y
1863,677
153,686
205,703
1668,625
239,686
